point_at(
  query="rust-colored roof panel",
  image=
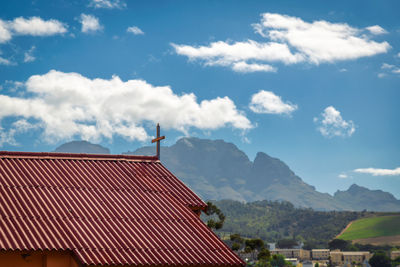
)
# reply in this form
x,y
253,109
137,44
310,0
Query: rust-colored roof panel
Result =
x,y
107,209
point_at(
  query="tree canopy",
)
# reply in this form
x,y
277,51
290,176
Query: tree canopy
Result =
x,y
380,259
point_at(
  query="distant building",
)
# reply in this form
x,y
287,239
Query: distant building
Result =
x,y
271,246
293,261
299,245
313,263
300,254
320,254
307,264
343,258
394,254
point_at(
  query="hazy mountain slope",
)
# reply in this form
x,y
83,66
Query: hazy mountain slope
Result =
x,y
361,197
82,147
214,169
217,170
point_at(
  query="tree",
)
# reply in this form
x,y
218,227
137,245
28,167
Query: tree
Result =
x,y
338,244
236,238
380,259
263,263
235,246
278,260
237,241
264,254
287,243
396,261
253,244
213,211
316,265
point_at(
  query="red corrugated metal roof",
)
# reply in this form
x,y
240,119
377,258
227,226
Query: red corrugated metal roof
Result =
x,y
107,209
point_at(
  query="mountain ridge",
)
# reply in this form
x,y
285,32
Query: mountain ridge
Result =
x,y
218,170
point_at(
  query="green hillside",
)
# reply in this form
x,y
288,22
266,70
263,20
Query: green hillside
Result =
x,y
372,227
273,221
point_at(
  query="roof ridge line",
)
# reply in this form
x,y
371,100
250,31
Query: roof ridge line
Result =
x,y
76,156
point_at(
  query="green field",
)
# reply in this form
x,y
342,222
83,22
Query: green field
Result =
x,y
372,227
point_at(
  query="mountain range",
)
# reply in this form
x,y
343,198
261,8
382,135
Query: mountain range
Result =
x,y
217,170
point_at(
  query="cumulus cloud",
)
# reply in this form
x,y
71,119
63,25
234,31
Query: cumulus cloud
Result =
x,y
37,27
28,55
243,53
90,23
5,33
4,61
390,68
268,102
290,40
379,172
343,176
376,29
332,124
68,105
34,26
135,30
242,66
320,41
387,66
17,127
109,4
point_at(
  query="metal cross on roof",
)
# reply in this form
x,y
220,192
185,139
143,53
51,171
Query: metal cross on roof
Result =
x,y
158,139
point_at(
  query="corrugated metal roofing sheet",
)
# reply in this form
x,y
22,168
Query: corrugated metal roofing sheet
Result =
x,y
107,209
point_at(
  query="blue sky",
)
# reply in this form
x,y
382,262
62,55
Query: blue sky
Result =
x,y
315,84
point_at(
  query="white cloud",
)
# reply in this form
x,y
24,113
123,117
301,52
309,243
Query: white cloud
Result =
x,y
332,124
376,29
110,4
248,52
4,61
396,70
90,23
17,127
290,40
343,70
268,102
28,55
13,86
343,176
34,26
320,41
392,68
7,137
379,172
135,30
387,66
68,105
242,66
398,55
5,34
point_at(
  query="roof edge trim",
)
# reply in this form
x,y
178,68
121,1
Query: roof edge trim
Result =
x,y
76,156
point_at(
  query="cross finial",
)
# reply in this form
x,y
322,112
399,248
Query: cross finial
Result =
x,y
158,139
